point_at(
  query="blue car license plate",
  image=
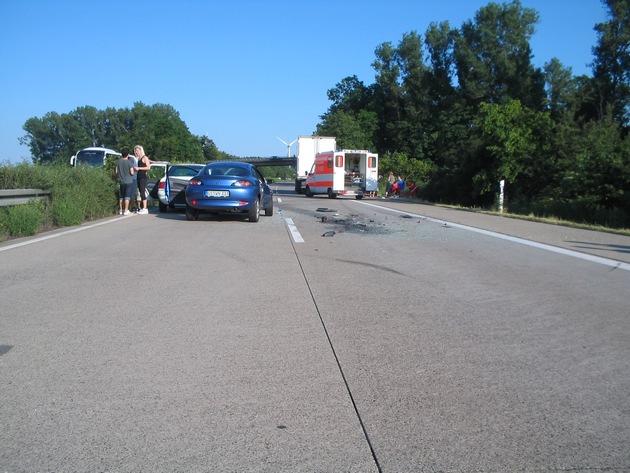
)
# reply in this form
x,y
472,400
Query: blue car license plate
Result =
x,y
216,193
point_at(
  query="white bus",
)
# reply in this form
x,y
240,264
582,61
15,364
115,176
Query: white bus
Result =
x,y
94,157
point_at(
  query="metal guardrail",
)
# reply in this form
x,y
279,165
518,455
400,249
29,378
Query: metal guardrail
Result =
x,y
21,196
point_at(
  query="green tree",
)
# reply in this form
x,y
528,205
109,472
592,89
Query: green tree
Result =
x,y
439,41
448,126
408,168
163,134
401,97
349,95
349,119
561,90
493,56
464,108
158,128
387,96
611,67
412,129
43,138
209,149
515,146
601,170
211,152
90,125
351,130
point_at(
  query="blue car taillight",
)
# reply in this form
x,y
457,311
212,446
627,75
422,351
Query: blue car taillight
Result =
x,y
242,184
195,182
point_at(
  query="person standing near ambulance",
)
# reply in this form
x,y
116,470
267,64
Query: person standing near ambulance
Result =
x,y
391,179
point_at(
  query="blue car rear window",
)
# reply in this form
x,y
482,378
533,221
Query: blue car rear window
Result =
x,y
226,171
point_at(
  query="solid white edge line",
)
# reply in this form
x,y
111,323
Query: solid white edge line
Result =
x,y
67,232
295,234
555,249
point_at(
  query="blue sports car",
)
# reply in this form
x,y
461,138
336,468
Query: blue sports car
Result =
x,y
228,186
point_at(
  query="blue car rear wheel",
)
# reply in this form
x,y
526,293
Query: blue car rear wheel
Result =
x,y
269,210
191,214
254,211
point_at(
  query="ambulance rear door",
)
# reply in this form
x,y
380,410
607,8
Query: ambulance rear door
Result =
x,y
371,172
339,172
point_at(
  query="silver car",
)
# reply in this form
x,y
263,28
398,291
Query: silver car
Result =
x,y
170,188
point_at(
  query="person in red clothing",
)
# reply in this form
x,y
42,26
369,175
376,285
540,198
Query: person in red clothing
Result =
x,y
413,189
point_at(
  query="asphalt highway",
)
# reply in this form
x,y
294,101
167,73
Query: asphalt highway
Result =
x,y
335,335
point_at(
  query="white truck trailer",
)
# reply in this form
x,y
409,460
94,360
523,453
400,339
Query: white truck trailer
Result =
x,y
307,148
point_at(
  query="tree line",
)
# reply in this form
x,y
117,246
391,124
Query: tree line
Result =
x,y
460,109
55,137
457,110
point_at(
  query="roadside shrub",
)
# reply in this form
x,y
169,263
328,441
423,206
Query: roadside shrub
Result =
x,y
26,176
579,211
92,190
66,211
23,220
77,195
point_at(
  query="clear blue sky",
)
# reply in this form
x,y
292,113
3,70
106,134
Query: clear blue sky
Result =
x,y
241,71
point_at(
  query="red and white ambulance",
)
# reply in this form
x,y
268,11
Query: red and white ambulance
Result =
x,y
348,172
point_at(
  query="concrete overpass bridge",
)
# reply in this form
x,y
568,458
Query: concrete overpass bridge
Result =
x,y
271,161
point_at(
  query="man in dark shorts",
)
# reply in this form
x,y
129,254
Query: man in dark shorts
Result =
x,y
124,173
